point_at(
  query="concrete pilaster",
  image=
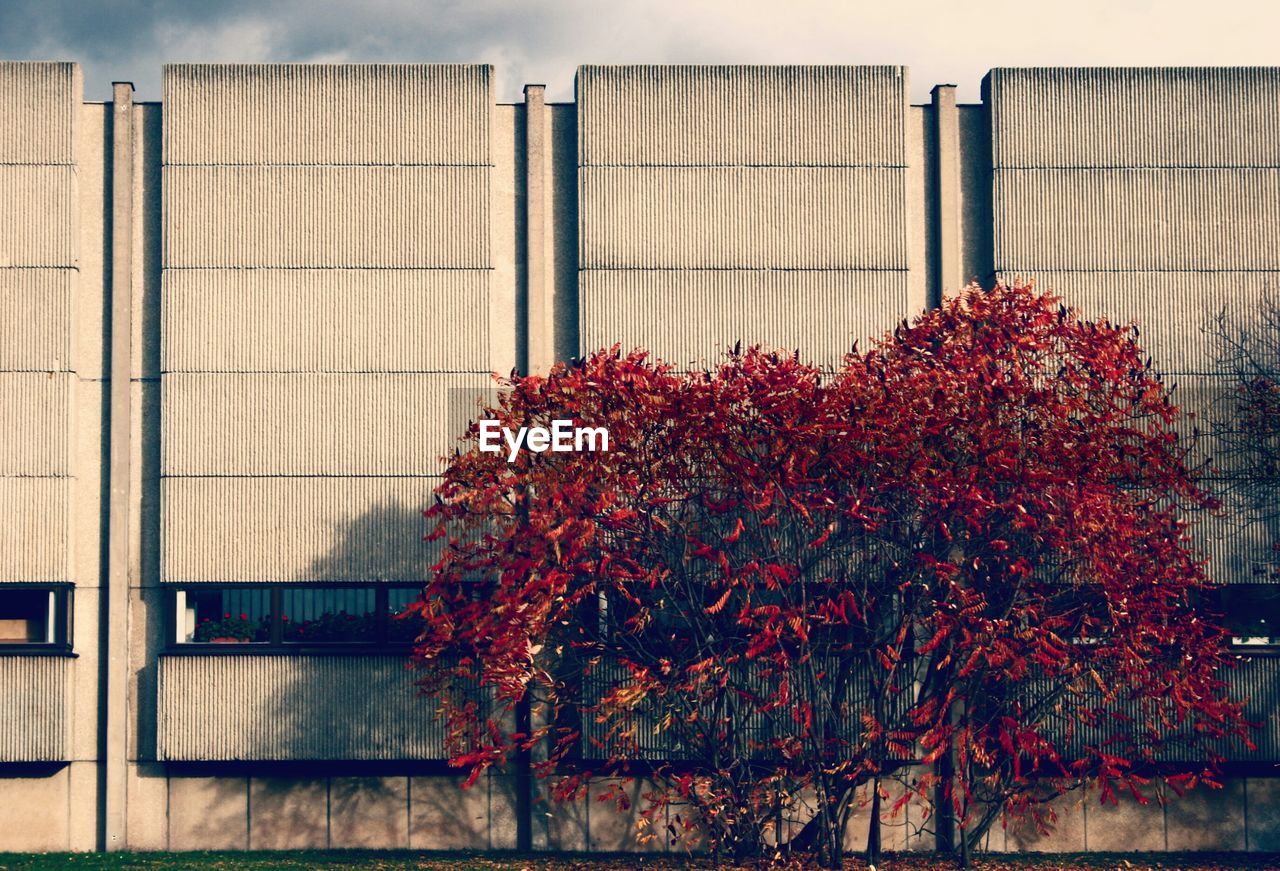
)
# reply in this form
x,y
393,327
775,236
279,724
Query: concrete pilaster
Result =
x,y
541,333
116,628
948,270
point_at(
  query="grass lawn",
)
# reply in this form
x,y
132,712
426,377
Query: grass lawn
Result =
x,y
398,860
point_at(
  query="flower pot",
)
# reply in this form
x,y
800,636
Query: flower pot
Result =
x,y
228,640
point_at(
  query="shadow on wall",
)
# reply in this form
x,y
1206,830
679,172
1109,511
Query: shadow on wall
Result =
x,y
340,709
335,749
359,706
383,544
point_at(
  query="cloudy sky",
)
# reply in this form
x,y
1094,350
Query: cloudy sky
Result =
x,y
941,41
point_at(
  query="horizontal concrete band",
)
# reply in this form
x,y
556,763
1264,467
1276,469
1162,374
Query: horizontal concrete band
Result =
x,y
39,112
1178,345
1136,219
1135,117
384,114
34,415
1238,548
35,309
292,707
39,216
325,320
315,424
34,537
33,697
300,216
820,312
741,115
294,529
226,708
736,217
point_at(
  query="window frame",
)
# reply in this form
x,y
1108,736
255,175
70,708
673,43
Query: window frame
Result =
x,y
62,619
276,644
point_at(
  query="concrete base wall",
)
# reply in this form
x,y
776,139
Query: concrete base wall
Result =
x,y
55,811
49,808
340,812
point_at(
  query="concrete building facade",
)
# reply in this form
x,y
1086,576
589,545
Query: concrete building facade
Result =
x,y
240,327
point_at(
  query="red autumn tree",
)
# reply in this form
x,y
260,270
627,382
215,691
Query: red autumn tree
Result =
x,y
965,550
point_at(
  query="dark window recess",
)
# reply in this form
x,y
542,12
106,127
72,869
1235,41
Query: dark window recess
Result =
x,y
294,615
402,627
312,616
32,616
1251,612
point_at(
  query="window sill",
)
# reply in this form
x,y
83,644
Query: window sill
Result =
x,y
264,649
60,650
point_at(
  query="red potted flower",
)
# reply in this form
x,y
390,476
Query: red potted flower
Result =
x,y
231,629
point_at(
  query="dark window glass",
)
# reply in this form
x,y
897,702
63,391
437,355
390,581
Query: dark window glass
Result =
x,y
27,616
34,615
295,615
1252,612
329,615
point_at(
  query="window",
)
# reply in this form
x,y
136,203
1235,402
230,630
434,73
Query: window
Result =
x,y
1252,613
292,616
34,617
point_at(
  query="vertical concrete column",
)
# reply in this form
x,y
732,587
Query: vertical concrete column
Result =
x,y
541,327
949,266
116,635
539,354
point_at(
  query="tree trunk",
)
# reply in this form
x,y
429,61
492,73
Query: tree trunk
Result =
x,y
832,846
814,833
873,826
944,818
524,779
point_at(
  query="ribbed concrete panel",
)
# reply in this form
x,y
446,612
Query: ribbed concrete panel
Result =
x,y
33,538
1239,549
327,114
1258,680
312,424
33,423
1203,401
1140,219
1136,117
325,320
819,312
743,217
279,708
33,708
294,529
39,105
741,115
1171,309
38,216
35,319
298,216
